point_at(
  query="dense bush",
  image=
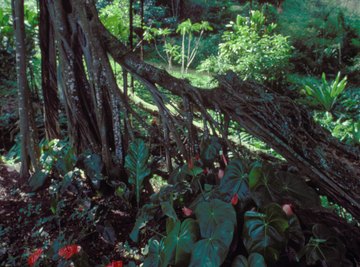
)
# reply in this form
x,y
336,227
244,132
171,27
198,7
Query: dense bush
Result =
x,y
251,49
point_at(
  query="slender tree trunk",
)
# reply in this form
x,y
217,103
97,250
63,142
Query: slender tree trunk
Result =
x,y
29,151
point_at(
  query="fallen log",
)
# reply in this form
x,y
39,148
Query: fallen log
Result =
x,y
333,167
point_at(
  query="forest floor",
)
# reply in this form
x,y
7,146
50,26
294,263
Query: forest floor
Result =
x,y
27,222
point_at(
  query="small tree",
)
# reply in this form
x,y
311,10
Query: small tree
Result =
x,y
251,49
171,50
187,30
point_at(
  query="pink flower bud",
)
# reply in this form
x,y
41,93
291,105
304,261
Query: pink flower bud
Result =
x,y
287,208
186,211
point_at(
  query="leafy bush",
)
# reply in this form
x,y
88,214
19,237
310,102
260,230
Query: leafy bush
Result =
x,y
251,49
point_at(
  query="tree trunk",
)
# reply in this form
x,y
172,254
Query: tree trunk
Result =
x,y
28,137
48,74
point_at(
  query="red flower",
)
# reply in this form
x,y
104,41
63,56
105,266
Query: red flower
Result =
x,y
115,264
197,157
68,251
234,199
187,212
34,257
206,171
220,174
287,208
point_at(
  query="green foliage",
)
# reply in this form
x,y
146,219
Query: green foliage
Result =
x,y
325,246
115,18
179,243
136,162
251,49
326,94
254,260
265,233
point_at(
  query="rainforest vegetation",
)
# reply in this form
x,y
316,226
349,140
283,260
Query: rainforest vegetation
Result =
x,y
180,133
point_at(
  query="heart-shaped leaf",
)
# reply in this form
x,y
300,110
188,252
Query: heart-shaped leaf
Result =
x,y
212,214
265,233
287,185
208,252
179,243
254,260
233,179
326,247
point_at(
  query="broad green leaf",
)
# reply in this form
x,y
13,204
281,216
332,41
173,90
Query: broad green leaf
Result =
x,y
325,246
232,181
136,162
286,185
254,260
153,258
168,210
179,243
212,214
255,175
38,179
208,252
265,233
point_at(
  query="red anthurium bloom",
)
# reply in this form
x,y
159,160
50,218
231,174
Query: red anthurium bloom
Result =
x,y
34,257
234,199
221,174
205,171
115,264
68,251
187,211
197,157
287,208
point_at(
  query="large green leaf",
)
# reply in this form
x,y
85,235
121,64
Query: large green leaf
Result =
x,y
212,214
265,233
255,175
153,258
326,247
136,163
254,260
179,243
280,186
208,252
287,185
234,181
38,179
